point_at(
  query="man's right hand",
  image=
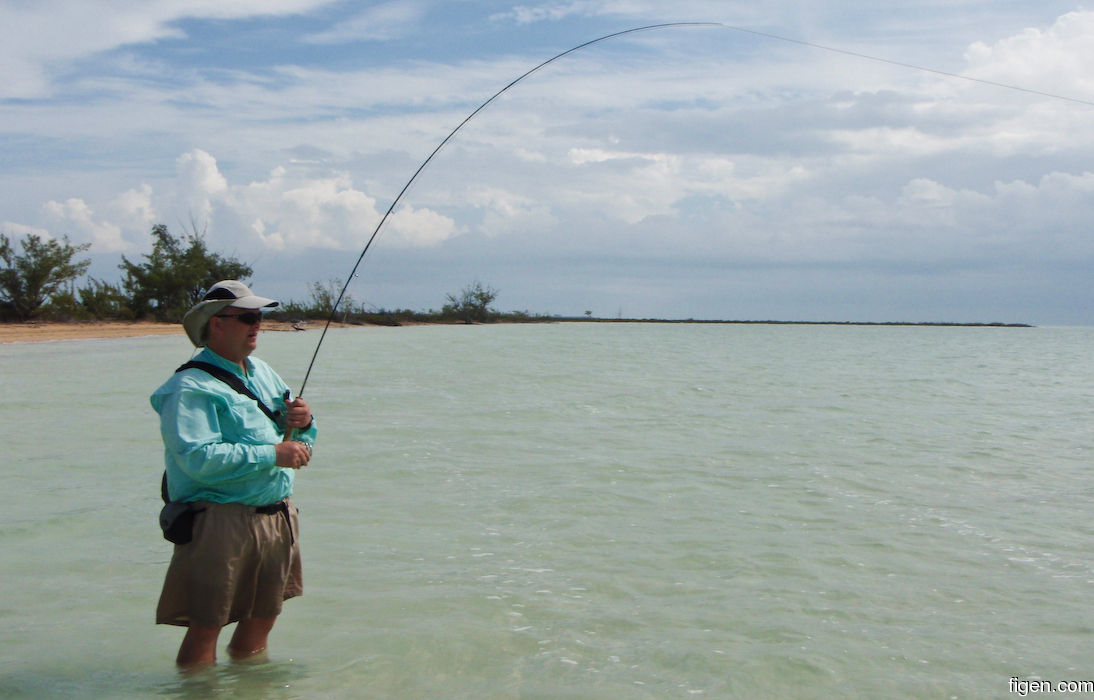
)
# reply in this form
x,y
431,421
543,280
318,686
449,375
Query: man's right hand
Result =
x,y
292,454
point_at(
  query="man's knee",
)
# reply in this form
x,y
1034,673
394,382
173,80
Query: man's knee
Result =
x,y
199,646
250,637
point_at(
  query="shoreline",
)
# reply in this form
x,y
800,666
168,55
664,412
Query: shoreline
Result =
x,y
44,331
36,332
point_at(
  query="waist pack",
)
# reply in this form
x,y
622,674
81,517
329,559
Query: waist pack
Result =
x,y
177,521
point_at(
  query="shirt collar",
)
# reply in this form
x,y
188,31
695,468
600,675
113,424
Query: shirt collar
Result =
x,y
208,355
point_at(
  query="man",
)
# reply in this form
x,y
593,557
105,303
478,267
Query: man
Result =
x,y
236,466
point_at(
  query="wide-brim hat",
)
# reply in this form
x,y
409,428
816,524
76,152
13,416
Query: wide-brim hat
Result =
x,y
221,295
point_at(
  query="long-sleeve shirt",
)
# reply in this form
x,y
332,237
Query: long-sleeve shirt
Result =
x,y
218,444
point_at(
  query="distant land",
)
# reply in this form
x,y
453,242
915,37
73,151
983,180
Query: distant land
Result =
x,y
408,318
72,330
405,317
805,323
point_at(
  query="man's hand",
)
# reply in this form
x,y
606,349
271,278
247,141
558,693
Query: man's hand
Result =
x,y
292,454
299,413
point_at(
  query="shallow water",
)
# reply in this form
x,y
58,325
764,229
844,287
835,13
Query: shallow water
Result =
x,y
589,510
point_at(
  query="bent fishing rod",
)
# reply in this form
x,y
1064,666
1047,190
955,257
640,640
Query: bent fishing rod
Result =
x,y
398,198
449,137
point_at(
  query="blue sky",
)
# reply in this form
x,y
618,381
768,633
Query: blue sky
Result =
x,y
688,172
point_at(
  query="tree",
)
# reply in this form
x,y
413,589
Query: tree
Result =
x,y
101,300
27,281
473,304
176,275
324,297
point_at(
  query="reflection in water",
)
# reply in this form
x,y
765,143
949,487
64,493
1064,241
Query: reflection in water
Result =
x,y
255,677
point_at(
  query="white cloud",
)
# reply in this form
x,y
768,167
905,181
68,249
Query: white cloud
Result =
x,y
76,217
922,192
556,11
326,212
509,213
421,227
524,14
287,211
1059,59
16,231
381,22
44,36
135,208
199,184
581,156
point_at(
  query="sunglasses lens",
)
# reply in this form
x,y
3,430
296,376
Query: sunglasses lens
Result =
x,y
249,318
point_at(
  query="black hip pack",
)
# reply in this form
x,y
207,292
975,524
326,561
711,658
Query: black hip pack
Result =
x,y
177,517
177,521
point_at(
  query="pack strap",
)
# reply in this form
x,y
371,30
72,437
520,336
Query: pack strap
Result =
x,y
233,381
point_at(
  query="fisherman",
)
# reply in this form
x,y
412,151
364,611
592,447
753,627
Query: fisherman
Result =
x,y
228,459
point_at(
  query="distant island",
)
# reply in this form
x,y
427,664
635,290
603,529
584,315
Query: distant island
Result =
x,y
487,316
961,324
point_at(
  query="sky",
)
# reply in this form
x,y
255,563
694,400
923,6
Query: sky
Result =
x,y
794,162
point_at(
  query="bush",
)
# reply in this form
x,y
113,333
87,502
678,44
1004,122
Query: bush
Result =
x,y
28,280
473,304
102,300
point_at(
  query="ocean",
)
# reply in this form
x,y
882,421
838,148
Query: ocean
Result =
x,y
584,510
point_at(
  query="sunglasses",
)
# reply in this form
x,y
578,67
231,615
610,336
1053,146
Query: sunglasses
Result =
x,y
250,318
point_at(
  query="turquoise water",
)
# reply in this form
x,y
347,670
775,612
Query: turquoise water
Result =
x,y
588,511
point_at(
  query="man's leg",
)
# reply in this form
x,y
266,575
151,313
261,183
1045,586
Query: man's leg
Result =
x,y
199,647
250,637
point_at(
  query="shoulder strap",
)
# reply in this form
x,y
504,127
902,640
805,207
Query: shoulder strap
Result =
x,y
232,381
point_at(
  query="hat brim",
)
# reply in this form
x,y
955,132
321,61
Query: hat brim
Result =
x,y
197,317
253,302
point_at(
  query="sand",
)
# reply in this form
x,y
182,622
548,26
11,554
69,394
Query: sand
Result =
x,y
37,332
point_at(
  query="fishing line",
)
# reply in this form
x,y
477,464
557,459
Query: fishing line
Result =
x,y
398,198
448,138
877,59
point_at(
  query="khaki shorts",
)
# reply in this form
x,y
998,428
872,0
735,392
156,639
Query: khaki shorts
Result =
x,y
240,564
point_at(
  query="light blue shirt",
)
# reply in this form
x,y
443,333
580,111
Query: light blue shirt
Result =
x,y
218,444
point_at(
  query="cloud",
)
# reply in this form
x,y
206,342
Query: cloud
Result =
x,y
326,213
290,209
509,213
199,183
53,33
929,223
135,208
524,14
422,227
16,231
381,22
558,11
76,217
1059,59
130,211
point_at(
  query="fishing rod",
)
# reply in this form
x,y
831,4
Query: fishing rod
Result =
x,y
398,198
394,202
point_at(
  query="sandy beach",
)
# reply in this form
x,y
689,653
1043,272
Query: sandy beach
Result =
x,y
38,332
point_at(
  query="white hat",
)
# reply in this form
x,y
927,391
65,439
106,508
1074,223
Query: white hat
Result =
x,y
220,295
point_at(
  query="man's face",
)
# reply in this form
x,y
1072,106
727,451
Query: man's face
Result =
x,y
233,333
